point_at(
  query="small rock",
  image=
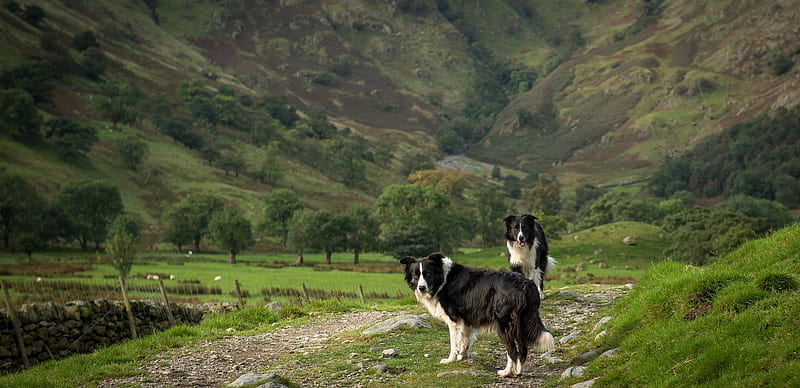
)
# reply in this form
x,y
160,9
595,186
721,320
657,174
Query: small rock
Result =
x,y
391,324
601,335
601,322
573,371
272,384
550,358
629,240
569,337
274,306
573,294
585,384
586,356
389,353
381,368
248,379
609,353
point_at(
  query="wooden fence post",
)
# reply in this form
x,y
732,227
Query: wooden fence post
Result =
x,y
127,301
361,294
166,302
17,327
305,292
238,293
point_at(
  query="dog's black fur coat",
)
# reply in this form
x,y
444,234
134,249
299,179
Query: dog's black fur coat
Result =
x,y
468,299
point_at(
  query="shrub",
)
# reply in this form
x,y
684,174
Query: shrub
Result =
x,y
777,282
323,78
781,63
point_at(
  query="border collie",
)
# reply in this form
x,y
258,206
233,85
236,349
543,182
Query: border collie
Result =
x,y
527,249
469,299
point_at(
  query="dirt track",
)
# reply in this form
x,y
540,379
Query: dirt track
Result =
x,y
215,363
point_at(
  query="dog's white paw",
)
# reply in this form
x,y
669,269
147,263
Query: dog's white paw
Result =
x,y
446,361
504,372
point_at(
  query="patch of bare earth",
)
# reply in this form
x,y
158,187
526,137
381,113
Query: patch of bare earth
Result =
x,y
215,363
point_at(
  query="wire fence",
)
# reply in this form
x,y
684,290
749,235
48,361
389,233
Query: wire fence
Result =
x,y
63,291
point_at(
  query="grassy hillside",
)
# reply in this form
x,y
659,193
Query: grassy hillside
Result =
x,y
732,323
616,91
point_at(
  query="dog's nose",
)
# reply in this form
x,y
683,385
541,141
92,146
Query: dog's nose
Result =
x,y
422,288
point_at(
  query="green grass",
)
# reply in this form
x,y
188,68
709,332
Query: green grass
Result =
x,y
591,247
731,323
254,272
415,365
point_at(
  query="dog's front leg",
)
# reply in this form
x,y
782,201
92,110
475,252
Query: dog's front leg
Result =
x,y
453,329
465,336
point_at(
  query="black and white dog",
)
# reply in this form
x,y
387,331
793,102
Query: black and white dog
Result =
x,y
469,299
527,249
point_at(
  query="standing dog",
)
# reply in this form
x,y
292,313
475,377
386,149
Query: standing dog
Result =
x,y
527,249
469,299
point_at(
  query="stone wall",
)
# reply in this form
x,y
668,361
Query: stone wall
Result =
x,y
53,331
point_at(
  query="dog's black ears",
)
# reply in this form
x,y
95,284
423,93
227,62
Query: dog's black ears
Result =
x,y
509,218
408,260
530,215
436,257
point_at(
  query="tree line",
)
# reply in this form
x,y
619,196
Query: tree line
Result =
x,y
759,158
406,219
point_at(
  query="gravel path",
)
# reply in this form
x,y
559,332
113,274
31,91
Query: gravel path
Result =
x,y
215,363
212,364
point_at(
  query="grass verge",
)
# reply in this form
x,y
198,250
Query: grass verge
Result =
x,y
731,323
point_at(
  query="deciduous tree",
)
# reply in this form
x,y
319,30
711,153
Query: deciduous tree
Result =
x,y
34,77
298,236
487,201
92,205
71,138
231,231
362,230
194,212
545,197
403,208
131,150
18,115
21,207
119,103
279,207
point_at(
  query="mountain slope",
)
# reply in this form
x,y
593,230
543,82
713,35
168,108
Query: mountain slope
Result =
x,y
618,86
617,108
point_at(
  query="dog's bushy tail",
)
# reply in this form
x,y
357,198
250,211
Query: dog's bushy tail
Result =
x,y
544,342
